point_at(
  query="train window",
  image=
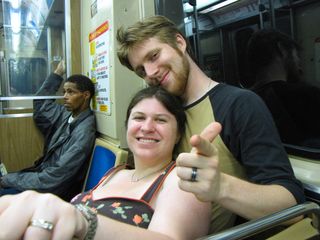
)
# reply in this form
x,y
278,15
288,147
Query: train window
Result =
x,y
32,43
219,34
26,75
213,66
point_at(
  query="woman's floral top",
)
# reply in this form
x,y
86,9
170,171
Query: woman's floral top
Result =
x,y
137,212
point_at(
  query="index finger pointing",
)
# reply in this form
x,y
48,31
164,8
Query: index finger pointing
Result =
x,y
211,131
202,144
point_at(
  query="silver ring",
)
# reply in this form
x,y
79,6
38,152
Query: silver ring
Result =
x,y
194,174
41,224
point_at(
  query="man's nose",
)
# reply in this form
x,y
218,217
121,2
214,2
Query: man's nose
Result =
x,y
151,70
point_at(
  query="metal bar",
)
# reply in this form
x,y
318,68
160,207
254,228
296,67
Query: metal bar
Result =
x,y
49,47
255,226
197,37
272,14
29,98
16,115
260,15
67,27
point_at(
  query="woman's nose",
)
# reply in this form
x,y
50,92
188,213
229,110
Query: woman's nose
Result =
x,y
148,126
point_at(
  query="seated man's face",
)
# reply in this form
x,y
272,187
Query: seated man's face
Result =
x,y
75,101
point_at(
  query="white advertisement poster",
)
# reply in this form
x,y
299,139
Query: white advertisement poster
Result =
x,y
99,67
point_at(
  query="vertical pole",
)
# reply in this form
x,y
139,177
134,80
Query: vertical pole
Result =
x,y
272,14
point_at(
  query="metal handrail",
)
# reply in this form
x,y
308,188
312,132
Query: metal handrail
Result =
x,y
258,225
29,98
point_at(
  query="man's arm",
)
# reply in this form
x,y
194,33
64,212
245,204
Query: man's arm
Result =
x,y
242,197
46,111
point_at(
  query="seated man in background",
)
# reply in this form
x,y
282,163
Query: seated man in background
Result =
x,y
69,132
274,65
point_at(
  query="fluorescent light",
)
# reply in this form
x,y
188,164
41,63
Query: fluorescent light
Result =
x,y
15,21
219,5
200,4
15,42
15,3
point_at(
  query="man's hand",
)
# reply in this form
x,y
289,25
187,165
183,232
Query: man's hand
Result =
x,y
203,159
61,68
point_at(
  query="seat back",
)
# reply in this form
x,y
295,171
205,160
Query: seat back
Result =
x,y
104,156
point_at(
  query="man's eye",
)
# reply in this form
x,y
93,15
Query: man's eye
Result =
x,y
154,56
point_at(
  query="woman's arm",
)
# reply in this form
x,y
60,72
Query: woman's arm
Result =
x,y
178,215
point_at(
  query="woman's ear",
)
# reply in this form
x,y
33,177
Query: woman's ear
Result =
x,y
181,42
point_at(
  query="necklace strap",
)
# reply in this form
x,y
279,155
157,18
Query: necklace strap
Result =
x,y
133,179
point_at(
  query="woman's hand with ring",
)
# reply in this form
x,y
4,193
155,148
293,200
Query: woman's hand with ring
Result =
x,y
45,216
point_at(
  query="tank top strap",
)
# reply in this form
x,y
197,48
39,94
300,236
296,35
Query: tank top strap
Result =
x,y
110,173
156,185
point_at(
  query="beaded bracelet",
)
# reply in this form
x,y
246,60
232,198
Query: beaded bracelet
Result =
x,y
91,216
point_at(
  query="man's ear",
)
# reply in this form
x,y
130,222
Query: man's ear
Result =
x,y
181,42
86,95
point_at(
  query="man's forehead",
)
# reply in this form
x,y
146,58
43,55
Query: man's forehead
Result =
x,y
70,85
147,43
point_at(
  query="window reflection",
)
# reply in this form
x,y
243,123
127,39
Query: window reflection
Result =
x,y
223,35
26,75
33,41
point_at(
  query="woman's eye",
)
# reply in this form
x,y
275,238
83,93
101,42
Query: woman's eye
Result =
x,y
160,120
138,118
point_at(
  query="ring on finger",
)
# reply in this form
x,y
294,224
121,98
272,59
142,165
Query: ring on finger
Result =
x,y
194,173
41,223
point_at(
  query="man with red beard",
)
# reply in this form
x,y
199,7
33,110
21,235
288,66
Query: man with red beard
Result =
x,y
69,133
245,171
274,64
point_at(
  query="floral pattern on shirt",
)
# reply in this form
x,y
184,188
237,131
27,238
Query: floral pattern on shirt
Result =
x,y
125,210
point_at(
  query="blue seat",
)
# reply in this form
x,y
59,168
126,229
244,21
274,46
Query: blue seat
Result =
x,y
104,156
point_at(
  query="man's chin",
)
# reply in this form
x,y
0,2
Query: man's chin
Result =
x,y
68,108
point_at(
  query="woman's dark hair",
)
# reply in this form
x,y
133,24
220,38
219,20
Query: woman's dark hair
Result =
x,y
172,103
83,83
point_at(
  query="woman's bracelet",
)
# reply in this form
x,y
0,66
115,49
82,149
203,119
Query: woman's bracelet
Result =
x,y
91,216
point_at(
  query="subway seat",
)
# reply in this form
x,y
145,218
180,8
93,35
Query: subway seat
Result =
x,y
105,155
